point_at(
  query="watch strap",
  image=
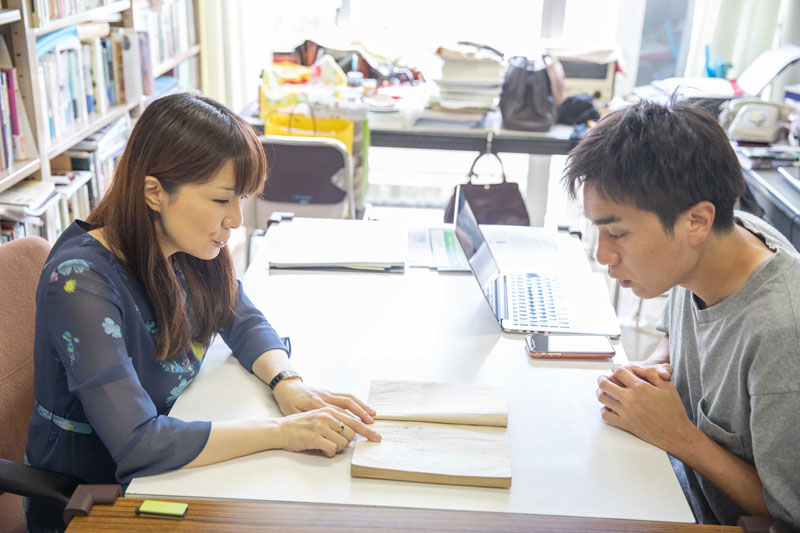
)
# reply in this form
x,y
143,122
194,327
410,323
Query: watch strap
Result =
x,y
280,376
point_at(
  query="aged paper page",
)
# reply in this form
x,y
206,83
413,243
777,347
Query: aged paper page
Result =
x,y
435,453
451,403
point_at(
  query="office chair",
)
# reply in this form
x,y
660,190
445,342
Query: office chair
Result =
x,y
309,176
21,264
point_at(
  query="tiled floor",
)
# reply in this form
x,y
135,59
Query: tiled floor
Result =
x,y
416,184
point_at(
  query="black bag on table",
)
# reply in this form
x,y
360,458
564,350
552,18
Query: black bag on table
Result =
x,y
528,101
495,203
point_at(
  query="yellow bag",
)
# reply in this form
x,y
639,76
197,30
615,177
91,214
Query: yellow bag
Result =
x,y
308,126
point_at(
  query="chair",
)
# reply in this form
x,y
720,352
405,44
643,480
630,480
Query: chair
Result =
x,y
21,264
309,176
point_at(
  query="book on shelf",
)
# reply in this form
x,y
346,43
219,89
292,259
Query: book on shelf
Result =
x,y
90,33
127,63
5,122
81,79
44,208
188,74
162,86
17,136
45,11
61,78
98,154
27,194
73,187
16,229
170,28
148,79
448,433
34,206
79,160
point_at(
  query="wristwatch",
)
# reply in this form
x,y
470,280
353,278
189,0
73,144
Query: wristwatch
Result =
x,y
280,376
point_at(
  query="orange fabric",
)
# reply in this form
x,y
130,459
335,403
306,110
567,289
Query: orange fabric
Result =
x,y
21,263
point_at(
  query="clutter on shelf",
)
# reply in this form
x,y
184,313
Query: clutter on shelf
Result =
x,y
316,90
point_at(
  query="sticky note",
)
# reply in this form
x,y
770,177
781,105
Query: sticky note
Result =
x,y
159,509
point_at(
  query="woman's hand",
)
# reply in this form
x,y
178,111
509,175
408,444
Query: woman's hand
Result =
x,y
328,429
294,396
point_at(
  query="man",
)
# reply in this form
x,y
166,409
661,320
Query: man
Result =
x,y
721,393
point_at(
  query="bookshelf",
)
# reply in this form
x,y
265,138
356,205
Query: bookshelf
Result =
x,y
100,13
96,124
172,28
170,64
7,16
17,172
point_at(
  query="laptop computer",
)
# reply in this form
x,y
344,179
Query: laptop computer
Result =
x,y
533,302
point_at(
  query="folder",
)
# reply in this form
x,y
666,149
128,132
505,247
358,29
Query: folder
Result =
x,y
316,243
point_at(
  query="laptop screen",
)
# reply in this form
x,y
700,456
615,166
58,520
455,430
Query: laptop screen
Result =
x,y
475,247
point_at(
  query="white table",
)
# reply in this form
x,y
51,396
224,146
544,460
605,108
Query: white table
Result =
x,y
349,328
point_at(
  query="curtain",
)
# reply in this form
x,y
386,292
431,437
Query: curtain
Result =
x,y
737,31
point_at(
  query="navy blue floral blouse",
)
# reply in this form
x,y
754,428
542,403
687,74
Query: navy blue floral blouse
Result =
x,y
101,397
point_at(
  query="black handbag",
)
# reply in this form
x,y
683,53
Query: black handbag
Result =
x,y
495,203
527,101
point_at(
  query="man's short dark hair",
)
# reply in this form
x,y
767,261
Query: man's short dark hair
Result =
x,y
659,158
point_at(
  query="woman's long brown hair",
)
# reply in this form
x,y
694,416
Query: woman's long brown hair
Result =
x,y
179,139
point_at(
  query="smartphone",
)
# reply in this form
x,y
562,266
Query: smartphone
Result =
x,y
563,345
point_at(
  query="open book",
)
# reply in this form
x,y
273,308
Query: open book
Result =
x,y
437,433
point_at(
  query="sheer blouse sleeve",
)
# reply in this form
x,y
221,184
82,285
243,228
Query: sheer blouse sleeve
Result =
x,y
248,334
86,326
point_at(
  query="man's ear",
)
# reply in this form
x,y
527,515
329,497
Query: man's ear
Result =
x,y
154,193
700,220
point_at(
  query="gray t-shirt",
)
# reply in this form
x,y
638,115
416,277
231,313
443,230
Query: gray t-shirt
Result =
x,y
737,370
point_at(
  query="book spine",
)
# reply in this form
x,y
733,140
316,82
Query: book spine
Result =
x,y
44,95
116,65
16,137
98,76
8,138
148,81
73,77
108,70
86,52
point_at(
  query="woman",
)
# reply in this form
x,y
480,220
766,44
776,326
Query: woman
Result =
x,y
129,301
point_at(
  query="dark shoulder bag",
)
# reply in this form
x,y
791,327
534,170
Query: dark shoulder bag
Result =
x,y
495,203
529,98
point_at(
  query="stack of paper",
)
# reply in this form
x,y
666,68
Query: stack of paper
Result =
x,y
435,248
28,195
337,244
447,433
470,82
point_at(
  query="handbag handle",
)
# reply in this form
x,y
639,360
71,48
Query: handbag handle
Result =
x,y
472,173
310,112
481,46
291,116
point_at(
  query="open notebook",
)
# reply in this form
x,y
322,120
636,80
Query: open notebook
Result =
x,y
432,432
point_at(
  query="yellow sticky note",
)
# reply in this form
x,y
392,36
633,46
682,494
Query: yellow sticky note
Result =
x,y
159,509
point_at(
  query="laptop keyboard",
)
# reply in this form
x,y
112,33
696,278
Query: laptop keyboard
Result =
x,y
537,301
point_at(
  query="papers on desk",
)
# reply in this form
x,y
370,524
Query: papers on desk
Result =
x,y
447,433
336,244
751,83
435,248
